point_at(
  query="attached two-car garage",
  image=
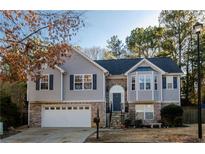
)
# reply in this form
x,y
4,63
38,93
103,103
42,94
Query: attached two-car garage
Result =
x,y
66,116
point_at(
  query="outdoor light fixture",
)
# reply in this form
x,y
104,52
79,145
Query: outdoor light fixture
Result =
x,y
197,29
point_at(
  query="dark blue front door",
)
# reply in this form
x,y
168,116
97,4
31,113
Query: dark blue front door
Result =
x,y
116,101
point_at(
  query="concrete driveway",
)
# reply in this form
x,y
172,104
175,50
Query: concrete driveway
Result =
x,y
50,135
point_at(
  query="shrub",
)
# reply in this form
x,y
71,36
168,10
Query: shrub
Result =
x,y
127,123
178,121
171,115
138,123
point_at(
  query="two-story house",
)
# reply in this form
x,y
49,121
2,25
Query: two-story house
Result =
x,y
69,95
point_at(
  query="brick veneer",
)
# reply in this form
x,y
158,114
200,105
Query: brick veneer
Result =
x,y
35,111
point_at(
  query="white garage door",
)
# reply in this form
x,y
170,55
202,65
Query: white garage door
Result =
x,y
66,116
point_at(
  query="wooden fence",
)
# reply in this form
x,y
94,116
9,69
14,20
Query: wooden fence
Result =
x,y
190,115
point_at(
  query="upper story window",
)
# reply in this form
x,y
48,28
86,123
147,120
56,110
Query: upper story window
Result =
x,y
83,82
145,82
133,82
169,82
44,82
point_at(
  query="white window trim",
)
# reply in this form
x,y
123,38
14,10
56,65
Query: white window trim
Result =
x,y
144,76
145,112
83,89
44,82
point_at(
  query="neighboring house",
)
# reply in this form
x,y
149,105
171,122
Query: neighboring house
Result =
x,y
69,95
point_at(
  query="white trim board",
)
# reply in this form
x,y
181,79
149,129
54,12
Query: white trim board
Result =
x,y
60,69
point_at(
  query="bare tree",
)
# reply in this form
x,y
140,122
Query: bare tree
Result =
x,y
94,52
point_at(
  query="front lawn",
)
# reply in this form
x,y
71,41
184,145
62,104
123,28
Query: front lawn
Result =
x,y
148,135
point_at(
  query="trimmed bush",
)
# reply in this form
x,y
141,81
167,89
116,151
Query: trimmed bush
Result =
x,y
171,115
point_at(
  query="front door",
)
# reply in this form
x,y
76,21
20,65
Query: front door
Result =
x,y
116,101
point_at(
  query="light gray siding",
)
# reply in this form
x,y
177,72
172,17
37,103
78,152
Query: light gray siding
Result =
x,y
45,95
144,95
170,95
79,65
76,64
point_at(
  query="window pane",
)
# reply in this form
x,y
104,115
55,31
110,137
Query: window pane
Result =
x,y
149,115
133,79
141,86
139,108
139,115
44,78
78,85
87,85
44,86
169,85
141,79
148,86
148,79
133,86
133,83
149,108
78,78
87,78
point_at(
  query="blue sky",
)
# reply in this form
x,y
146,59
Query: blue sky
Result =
x,y
101,25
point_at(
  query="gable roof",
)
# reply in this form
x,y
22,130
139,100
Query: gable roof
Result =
x,y
62,69
121,66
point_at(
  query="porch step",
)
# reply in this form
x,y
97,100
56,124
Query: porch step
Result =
x,y
117,120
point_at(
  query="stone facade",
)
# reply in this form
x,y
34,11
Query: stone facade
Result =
x,y
36,107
